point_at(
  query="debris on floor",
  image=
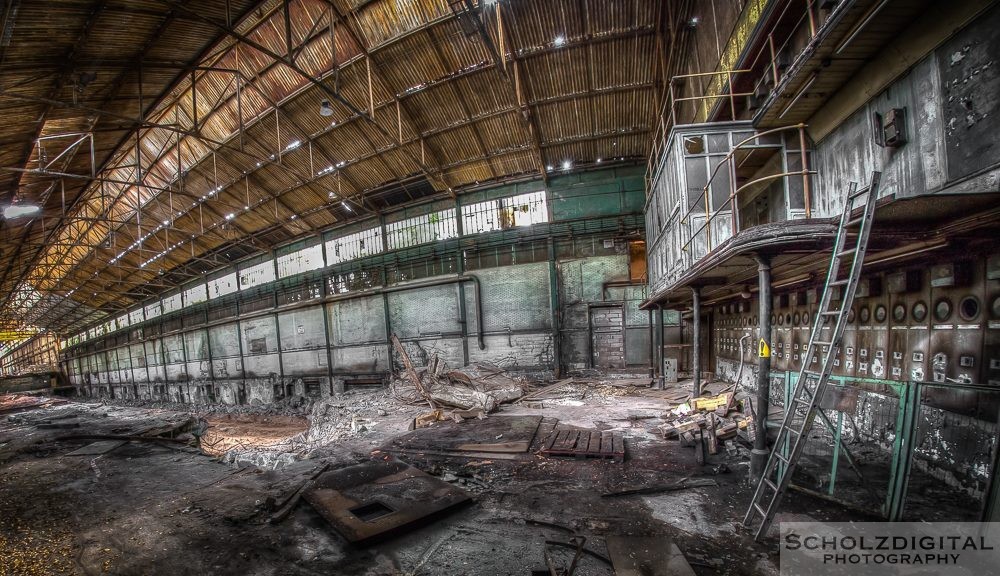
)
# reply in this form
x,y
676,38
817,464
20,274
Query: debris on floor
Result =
x,y
544,472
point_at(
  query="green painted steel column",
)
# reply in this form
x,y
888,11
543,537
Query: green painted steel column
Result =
x,y
836,453
902,450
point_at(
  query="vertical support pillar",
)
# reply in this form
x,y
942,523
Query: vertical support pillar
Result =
x,y
184,355
324,294
902,451
239,342
696,343
281,360
463,314
658,356
758,456
554,309
652,344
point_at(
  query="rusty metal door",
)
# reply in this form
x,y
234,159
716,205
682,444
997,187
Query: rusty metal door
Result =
x,y
607,340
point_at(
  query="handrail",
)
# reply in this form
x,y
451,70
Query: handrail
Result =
x,y
670,100
734,191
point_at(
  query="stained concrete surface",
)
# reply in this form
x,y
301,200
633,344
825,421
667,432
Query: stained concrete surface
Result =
x,y
149,508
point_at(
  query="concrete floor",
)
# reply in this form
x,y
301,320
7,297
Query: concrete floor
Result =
x,y
148,508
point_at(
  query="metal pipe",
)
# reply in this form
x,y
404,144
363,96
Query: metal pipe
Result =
x,y
758,457
696,343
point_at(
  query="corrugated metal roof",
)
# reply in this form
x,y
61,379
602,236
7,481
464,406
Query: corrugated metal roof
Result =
x,y
228,128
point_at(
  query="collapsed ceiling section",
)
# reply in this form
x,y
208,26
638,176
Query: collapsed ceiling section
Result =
x,y
163,139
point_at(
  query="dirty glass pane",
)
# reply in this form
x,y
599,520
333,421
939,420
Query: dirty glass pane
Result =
x,y
720,184
718,143
796,200
696,177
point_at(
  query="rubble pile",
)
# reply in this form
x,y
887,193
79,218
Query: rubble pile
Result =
x,y
478,387
714,418
343,416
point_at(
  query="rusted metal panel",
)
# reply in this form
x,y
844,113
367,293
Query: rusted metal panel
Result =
x,y
380,499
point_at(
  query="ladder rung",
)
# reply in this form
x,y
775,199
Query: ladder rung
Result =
x,y
847,252
760,510
858,194
772,485
780,457
841,282
801,401
830,313
855,221
812,373
822,343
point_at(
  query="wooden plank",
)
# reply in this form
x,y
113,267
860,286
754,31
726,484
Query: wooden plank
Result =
x,y
618,441
549,441
520,446
647,556
607,444
570,441
595,443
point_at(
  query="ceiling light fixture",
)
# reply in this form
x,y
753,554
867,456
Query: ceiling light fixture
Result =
x,y
325,109
17,210
559,41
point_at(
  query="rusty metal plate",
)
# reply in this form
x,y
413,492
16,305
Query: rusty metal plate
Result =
x,y
494,434
379,499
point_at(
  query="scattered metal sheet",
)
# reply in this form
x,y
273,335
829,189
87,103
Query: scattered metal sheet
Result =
x,y
373,501
501,434
585,444
102,447
647,556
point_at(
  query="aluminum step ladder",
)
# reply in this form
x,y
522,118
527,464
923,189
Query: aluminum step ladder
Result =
x,y
828,329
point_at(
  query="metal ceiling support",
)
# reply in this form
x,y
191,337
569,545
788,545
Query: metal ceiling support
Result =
x,y
309,78
526,115
366,51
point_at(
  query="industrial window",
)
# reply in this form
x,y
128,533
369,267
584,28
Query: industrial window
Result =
x,y
421,229
122,322
304,260
172,303
504,213
354,281
195,294
222,286
352,246
135,316
153,310
256,275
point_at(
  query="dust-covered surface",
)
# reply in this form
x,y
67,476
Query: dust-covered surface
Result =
x,y
152,507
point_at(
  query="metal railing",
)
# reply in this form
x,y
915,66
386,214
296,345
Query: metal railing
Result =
x,y
734,191
660,135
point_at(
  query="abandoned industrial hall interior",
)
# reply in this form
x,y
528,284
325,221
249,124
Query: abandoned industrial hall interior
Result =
x,y
492,287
